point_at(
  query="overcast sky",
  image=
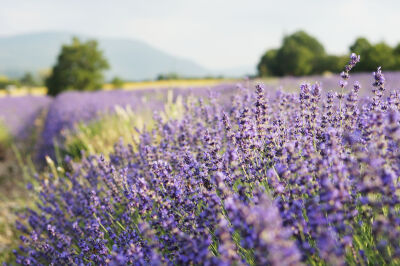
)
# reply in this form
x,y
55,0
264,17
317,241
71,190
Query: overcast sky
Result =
x,y
214,33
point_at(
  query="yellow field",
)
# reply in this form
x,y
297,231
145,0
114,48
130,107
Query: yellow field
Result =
x,y
24,91
181,83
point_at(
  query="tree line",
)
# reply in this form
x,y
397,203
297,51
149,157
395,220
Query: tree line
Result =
x,y
80,65
27,80
302,54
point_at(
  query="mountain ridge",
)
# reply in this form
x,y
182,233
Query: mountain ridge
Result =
x,y
130,59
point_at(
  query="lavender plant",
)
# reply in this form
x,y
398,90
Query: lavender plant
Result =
x,y
282,179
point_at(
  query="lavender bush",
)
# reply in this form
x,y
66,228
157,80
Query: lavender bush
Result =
x,y
281,179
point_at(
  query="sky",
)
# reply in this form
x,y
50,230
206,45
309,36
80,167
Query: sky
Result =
x,y
218,34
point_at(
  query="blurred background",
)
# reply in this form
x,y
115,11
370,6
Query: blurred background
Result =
x,y
150,40
78,76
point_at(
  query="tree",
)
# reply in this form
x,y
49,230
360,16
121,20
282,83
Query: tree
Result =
x,y
360,46
396,50
117,82
396,54
79,66
5,83
168,76
268,65
296,60
28,80
373,56
330,63
376,55
299,55
379,54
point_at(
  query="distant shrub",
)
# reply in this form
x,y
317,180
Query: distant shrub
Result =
x,y
117,83
28,80
168,76
5,83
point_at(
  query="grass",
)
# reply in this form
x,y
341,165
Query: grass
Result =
x,y
5,140
100,135
13,198
16,167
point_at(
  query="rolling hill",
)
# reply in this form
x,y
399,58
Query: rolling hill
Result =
x,y
129,59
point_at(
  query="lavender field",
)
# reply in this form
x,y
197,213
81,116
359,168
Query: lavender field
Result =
x,y
286,173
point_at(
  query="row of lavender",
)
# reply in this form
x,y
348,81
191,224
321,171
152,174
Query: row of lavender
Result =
x,y
72,107
18,114
330,81
279,179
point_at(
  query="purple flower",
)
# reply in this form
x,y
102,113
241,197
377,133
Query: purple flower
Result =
x,y
283,179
